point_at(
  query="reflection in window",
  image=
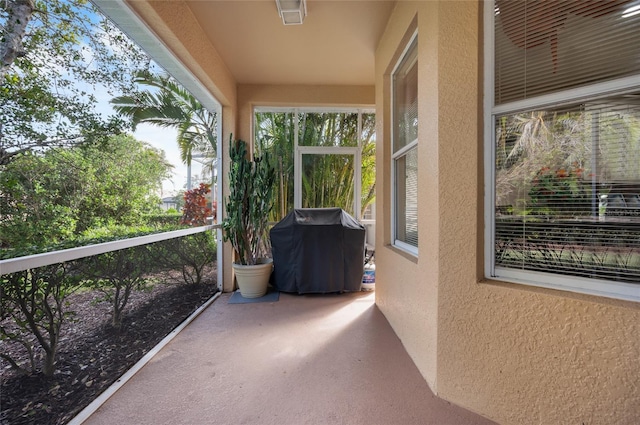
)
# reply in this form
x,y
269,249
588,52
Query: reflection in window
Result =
x,y
405,150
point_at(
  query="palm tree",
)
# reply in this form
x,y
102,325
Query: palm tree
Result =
x,y
167,104
529,142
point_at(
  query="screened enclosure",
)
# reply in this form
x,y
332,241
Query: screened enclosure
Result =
x,y
324,158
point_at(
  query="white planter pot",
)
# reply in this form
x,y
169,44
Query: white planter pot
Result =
x,y
253,280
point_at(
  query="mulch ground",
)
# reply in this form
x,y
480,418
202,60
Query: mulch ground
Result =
x,y
92,354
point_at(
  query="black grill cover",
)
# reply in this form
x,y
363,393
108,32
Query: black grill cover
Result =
x,y
317,250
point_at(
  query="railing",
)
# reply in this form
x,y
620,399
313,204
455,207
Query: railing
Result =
x,y
46,313
18,264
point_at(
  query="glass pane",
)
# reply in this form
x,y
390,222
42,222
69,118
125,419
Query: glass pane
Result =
x,y
368,137
328,129
545,46
274,134
567,190
405,100
407,198
328,181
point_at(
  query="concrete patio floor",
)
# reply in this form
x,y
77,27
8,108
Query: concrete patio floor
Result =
x,y
314,359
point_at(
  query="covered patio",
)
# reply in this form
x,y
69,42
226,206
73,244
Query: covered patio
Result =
x,y
518,351
321,359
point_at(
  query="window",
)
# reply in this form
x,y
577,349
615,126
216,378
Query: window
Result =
x,y
405,150
563,151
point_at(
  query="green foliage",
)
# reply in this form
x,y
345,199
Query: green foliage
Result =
x,y
251,185
59,194
328,180
34,300
179,198
118,232
124,174
559,192
33,306
167,104
93,236
275,134
329,129
170,218
368,158
191,254
47,93
38,195
117,274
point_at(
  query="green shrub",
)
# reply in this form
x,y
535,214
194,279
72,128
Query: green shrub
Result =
x,y
191,254
162,220
117,274
34,300
92,236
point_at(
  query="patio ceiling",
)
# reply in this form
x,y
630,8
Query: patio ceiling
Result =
x,y
335,44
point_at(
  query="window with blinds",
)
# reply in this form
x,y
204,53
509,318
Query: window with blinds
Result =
x,y
405,150
545,46
565,148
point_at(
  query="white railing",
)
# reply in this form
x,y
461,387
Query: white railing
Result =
x,y
18,264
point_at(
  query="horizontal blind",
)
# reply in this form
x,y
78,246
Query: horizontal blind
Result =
x,y
544,46
405,100
405,147
568,189
407,197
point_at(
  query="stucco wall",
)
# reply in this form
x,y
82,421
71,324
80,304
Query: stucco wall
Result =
x,y
516,354
175,25
407,287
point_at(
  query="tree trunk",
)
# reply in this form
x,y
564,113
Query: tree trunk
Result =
x,y
11,47
49,362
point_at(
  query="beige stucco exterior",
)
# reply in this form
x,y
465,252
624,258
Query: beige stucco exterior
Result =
x,y
515,354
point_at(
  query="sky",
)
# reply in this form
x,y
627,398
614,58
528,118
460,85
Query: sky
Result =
x,y
158,137
165,139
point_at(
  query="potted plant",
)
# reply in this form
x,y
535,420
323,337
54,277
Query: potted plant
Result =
x,y
247,210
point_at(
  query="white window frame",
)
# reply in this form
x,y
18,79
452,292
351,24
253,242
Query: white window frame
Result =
x,y
410,249
599,287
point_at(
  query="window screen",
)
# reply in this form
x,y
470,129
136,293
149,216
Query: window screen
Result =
x,y
405,150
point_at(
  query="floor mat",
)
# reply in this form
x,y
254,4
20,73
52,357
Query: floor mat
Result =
x,y
271,296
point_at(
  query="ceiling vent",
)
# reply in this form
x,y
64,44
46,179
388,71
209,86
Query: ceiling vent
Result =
x,y
292,12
